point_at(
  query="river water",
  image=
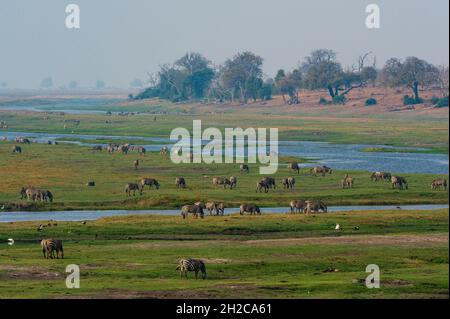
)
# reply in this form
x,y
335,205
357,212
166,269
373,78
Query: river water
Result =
x,y
337,156
6,217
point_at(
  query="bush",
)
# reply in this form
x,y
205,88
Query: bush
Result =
x,y
371,101
148,94
409,100
177,98
339,99
442,102
323,101
434,100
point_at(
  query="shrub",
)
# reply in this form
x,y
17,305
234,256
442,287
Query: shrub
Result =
x,y
371,101
148,94
323,101
442,102
409,100
434,100
339,99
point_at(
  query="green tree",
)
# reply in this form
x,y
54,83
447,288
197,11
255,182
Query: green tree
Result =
x,y
254,86
413,73
321,70
198,82
189,77
241,71
266,90
289,84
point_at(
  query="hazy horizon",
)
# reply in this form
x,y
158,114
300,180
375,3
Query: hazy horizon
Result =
x,y
121,41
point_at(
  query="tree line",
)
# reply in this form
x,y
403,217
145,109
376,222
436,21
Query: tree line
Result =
x,y
241,78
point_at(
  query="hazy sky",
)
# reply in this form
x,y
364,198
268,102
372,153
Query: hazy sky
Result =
x,y
121,40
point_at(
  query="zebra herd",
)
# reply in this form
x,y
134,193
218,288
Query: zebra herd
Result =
x,y
124,149
31,193
399,182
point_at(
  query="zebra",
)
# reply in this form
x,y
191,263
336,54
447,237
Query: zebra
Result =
x,y
50,246
133,187
46,196
191,265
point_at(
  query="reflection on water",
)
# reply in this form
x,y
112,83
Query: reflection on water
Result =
x,y
7,217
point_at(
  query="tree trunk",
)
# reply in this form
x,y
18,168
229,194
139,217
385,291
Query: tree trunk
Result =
x,y
336,91
330,90
416,91
243,99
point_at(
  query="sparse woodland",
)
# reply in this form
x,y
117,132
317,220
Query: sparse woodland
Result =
x,y
240,79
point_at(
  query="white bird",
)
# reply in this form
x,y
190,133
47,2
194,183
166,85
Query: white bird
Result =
x,y
10,241
338,227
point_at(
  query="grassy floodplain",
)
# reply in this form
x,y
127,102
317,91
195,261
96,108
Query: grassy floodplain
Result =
x,y
268,256
388,123
65,170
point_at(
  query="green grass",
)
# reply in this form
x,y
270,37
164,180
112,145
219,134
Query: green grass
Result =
x,y
107,141
65,170
269,256
399,150
342,127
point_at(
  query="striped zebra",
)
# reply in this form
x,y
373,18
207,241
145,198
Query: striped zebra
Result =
x,y
50,246
189,265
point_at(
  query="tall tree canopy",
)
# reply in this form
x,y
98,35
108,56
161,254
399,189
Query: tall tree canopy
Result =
x,y
322,71
412,73
188,78
243,73
289,84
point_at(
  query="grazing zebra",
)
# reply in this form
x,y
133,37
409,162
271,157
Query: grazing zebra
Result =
x,y
439,184
294,167
133,187
244,168
17,149
45,196
50,246
191,265
180,182
150,182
